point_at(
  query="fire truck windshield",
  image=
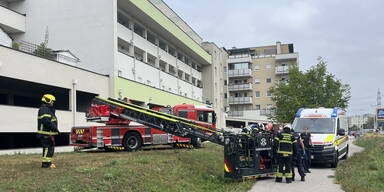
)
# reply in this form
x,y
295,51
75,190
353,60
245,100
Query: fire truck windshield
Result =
x,y
206,116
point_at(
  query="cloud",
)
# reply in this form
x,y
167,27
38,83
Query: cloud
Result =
x,y
347,33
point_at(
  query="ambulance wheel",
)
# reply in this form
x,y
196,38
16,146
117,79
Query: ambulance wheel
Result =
x,y
196,142
346,154
132,141
335,161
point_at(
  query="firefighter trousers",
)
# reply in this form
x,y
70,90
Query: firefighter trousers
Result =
x,y
284,166
48,144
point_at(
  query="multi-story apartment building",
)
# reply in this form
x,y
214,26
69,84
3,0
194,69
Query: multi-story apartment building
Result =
x,y
251,73
360,120
139,49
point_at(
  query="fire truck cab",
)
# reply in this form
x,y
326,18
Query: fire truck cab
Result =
x,y
121,134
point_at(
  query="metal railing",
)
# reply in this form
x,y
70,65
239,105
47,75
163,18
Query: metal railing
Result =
x,y
239,72
282,69
240,100
235,113
240,87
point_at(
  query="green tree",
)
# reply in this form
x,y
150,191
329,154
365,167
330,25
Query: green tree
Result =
x,y
370,123
354,128
311,89
43,51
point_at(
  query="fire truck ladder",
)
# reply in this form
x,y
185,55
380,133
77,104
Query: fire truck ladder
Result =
x,y
165,122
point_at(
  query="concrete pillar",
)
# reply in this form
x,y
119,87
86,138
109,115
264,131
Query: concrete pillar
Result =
x,y
278,47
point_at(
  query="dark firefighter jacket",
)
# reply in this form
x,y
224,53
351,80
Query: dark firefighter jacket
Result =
x,y
47,121
285,144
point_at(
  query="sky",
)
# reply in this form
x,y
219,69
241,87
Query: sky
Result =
x,y
348,34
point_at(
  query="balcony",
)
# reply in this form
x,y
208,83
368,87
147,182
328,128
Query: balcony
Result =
x,y
282,70
240,73
235,113
11,21
239,59
240,100
285,57
241,87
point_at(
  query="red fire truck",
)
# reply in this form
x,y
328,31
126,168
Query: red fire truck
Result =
x,y
122,134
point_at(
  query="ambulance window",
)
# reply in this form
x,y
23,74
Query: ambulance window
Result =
x,y
338,124
183,114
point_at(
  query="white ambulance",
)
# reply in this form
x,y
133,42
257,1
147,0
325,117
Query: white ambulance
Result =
x,y
328,128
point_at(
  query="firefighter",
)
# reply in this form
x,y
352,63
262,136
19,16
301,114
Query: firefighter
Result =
x,y
298,157
47,129
285,145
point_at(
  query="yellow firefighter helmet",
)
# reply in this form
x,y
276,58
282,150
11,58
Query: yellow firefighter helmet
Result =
x,y
48,98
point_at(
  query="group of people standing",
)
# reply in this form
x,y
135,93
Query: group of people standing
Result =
x,y
292,150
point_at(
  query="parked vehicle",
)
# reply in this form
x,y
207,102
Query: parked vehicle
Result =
x,y
328,128
122,134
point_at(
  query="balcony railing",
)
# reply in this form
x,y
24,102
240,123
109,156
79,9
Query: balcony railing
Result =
x,y
289,56
281,70
241,87
240,73
240,100
265,112
239,59
235,113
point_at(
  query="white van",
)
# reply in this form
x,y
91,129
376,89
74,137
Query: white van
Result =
x,y
328,128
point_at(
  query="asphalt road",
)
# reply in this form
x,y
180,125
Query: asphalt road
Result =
x,y
319,180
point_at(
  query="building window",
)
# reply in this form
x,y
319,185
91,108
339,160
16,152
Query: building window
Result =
x,y
163,65
257,81
225,82
225,95
194,81
269,94
171,51
180,74
199,84
269,106
257,107
180,57
139,30
268,66
151,59
139,54
186,77
194,66
269,80
163,45
172,70
257,67
235,66
257,94
151,38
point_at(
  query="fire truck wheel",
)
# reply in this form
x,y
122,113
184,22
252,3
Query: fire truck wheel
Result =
x,y
132,141
196,142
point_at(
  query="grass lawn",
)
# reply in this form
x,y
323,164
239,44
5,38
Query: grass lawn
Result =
x,y
364,172
153,170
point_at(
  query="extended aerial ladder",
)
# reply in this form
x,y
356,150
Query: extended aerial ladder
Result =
x,y
244,155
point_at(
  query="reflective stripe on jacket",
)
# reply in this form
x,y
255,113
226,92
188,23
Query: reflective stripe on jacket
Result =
x,y
46,121
285,143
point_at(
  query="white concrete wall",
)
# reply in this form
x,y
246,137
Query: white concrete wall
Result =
x,y
125,66
24,119
11,20
5,39
19,65
168,81
84,27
